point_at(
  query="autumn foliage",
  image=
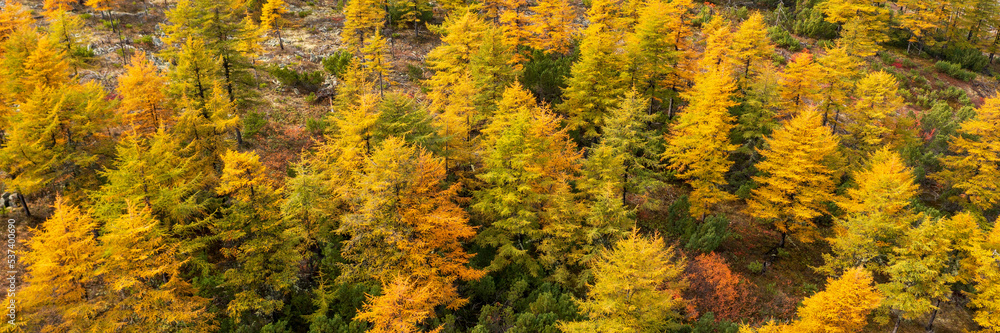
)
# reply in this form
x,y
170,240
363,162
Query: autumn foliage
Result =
x,y
717,289
508,166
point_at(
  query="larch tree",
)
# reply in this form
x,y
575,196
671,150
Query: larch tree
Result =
x,y
973,163
799,83
181,23
838,70
149,173
751,44
404,223
628,133
552,28
401,308
874,110
13,16
795,182
143,105
361,19
878,215
608,217
195,73
934,257
202,132
718,44
249,42
270,18
262,250
66,30
491,73
842,307
141,268
862,24
698,144
637,288
986,298
684,60
920,18
57,132
60,271
57,5
218,24
650,51
375,62
861,38
595,83
758,113
528,164
411,13
45,67
513,22
452,89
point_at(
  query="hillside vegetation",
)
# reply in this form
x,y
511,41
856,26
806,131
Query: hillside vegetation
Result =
x,y
501,166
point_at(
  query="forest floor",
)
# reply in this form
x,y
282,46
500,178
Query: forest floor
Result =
x,y
312,33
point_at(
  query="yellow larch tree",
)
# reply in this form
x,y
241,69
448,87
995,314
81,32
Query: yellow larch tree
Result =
x,y
143,105
452,89
51,6
874,110
800,83
921,18
698,144
684,60
718,44
838,70
514,24
528,164
46,66
13,16
361,19
878,215
141,268
57,138
552,28
933,258
491,73
261,249
270,18
863,24
65,30
842,307
794,182
375,62
595,83
986,298
249,43
751,45
656,50
401,307
60,271
973,162
637,288
403,222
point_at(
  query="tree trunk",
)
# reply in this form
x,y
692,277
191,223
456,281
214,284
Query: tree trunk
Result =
x,y
280,43
896,328
930,323
229,81
24,204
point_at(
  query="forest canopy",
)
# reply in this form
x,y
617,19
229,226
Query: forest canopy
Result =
x,y
489,166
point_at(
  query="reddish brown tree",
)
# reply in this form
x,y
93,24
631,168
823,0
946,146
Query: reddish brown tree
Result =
x,y
717,289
